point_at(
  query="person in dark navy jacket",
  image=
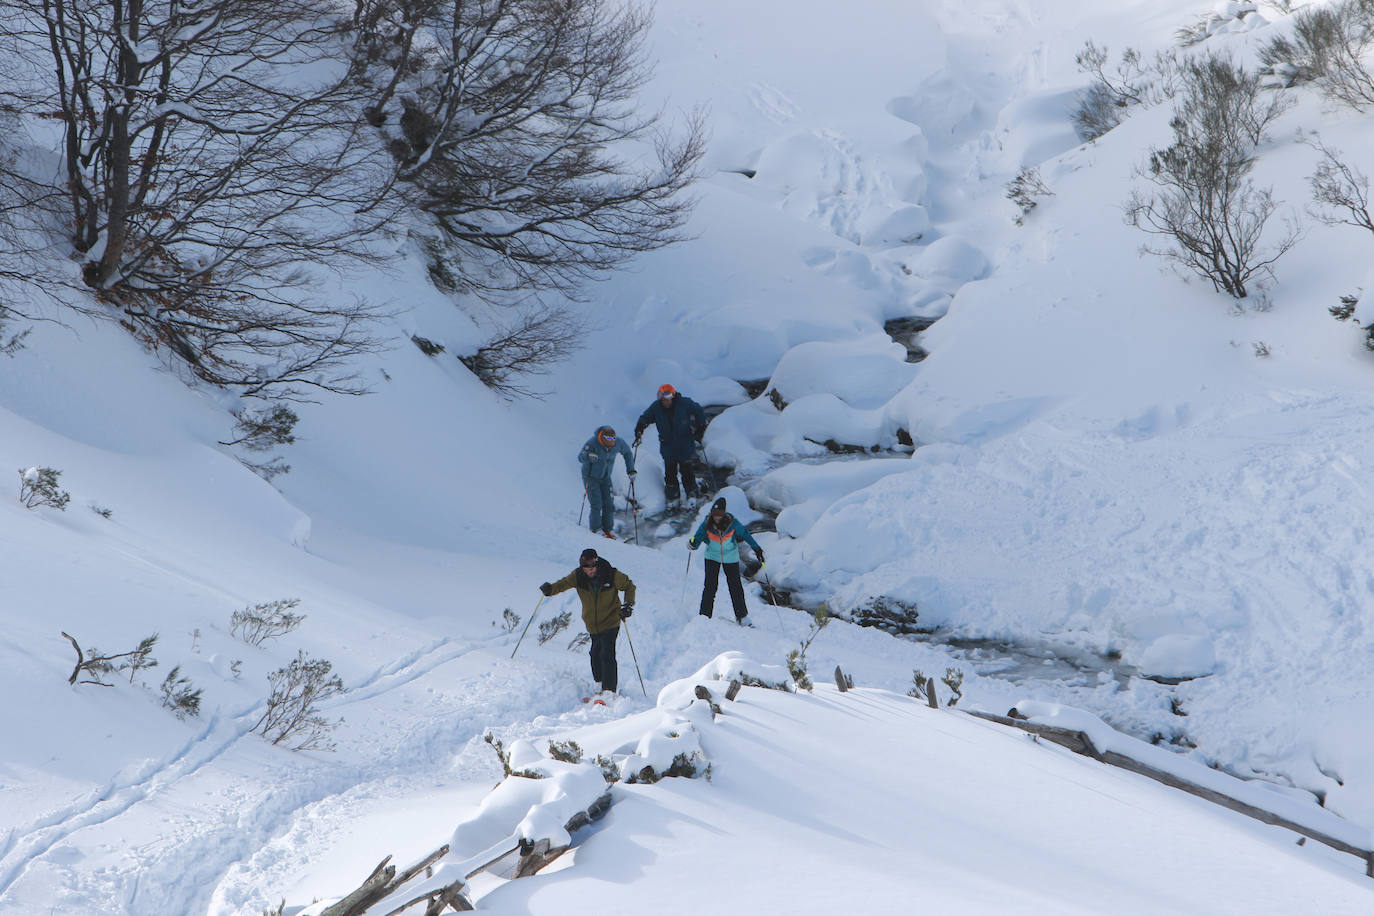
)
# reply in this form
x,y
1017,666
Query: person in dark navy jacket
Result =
x,y
681,423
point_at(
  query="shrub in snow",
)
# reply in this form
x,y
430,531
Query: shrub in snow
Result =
x,y
918,684
504,756
609,769
1340,192
427,346
580,641
178,695
1346,310
509,621
38,487
796,669
1025,190
1204,204
954,680
269,620
1327,48
95,666
101,511
260,430
292,715
550,628
1131,82
566,751
796,659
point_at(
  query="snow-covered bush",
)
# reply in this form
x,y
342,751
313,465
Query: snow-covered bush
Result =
x,y
550,628
918,684
292,715
566,751
38,487
509,621
1025,190
269,620
179,696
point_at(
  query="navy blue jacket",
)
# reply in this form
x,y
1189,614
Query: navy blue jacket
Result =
x,y
679,429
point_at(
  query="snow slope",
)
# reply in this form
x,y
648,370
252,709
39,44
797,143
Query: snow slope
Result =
x,y
1104,469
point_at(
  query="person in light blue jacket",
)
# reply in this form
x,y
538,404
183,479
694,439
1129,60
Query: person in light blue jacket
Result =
x,y
597,458
721,532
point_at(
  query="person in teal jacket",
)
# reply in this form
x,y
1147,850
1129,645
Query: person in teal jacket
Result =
x,y
721,532
597,458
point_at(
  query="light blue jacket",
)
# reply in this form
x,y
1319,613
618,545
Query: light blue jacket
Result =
x,y
722,542
598,461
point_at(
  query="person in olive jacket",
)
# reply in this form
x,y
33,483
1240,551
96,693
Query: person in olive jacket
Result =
x,y
599,585
722,532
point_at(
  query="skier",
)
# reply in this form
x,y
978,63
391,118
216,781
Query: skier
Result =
x,y
598,584
724,532
598,460
681,423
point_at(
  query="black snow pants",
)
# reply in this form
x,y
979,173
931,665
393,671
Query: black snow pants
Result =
x,y
604,670
732,581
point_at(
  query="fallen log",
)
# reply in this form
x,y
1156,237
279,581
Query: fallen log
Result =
x,y
1080,743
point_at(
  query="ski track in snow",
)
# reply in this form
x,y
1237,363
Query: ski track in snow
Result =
x,y
235,834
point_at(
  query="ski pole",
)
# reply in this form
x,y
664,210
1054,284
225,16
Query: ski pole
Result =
x,y
583,507
636,659
772,599
527,627
634,503
685,573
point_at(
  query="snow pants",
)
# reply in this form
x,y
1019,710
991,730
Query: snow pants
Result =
x,y
604,670
732,580
686,469
602,504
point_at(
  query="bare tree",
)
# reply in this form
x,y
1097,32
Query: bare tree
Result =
x,y
527,347
205,149
514,123
1204,202
1339,190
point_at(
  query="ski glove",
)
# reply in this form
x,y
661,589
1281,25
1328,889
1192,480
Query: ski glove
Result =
x,y
691,543
759,554
547,589
626,610
633,473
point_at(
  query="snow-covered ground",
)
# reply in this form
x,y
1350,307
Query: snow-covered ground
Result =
x,y
1104,466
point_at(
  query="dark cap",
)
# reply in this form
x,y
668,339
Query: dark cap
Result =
x,y
588,556
718,505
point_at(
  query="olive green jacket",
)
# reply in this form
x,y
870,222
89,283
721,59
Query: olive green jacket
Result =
x,y
600,602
